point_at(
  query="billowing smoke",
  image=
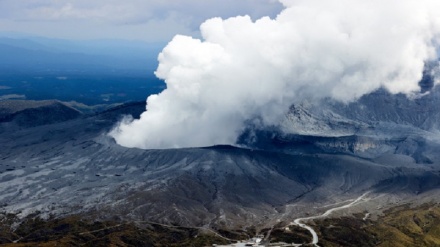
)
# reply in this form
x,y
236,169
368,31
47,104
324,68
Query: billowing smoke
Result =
x,y
251,71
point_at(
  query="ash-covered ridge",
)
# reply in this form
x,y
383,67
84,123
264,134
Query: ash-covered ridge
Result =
x,y
30,113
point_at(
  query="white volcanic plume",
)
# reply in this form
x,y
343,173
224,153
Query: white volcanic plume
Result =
x,y
244,70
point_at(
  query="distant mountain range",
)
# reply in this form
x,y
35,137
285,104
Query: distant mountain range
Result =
x,y
38,54
91,72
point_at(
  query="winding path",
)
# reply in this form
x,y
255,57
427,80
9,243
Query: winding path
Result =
x,y
315,239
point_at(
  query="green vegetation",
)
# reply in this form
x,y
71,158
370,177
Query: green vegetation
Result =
x,y
398,227
74,231
402,226
295,234
406,226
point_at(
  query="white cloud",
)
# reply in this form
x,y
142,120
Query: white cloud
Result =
x,y
128,19
131,10
244,70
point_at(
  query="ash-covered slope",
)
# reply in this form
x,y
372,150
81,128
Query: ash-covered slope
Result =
x,y
371,112
70,168
377,125
380,106
73,167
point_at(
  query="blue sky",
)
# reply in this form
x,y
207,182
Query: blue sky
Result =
x,y
149,20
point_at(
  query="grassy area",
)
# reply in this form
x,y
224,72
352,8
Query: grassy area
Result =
x,y
398,227
406,226
74,231
402,226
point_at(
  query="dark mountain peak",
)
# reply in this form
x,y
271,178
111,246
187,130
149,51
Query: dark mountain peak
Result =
x,y
30,113
135,109
13,106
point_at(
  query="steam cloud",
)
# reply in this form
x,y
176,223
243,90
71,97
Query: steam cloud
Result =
x,y
243,70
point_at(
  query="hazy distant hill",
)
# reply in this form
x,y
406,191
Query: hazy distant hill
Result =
x,y
29,113
98,56
91,72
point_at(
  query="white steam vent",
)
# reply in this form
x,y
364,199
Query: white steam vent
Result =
x,y
243,69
